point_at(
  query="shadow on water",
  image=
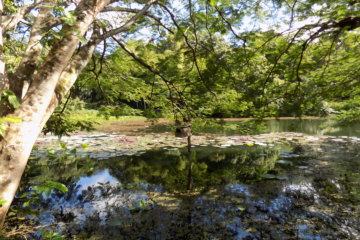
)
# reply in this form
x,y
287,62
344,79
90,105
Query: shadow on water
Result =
x,y
243,192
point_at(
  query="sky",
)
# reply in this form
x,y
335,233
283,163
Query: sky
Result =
x,y
278,22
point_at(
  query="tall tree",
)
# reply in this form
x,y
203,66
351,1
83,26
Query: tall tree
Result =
x,y
49,67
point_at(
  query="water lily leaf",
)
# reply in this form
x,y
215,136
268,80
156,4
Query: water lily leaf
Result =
x,y
84,145
51,152
115,223
284,162
268,176
241,208
281,178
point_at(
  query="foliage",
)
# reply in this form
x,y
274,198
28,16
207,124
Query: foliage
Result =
x,y
272,83
349,111
251,127
117,111
2,201
8,100
50,235
60,125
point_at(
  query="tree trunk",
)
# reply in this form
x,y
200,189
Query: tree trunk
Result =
x,y
3,83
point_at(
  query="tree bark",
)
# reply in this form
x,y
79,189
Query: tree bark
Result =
x,y
3,83
20,80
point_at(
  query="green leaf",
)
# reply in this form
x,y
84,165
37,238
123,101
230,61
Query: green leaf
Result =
x,y
284,162
82,39
63,146
2,129
12,119
7,92
48,186
142,204
14,102
213,3
84,145
51,152
241,208
2,201
69,18
56,185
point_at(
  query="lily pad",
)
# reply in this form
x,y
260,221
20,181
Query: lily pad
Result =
x,y
286,162
272,176
241,208
115,223
268,176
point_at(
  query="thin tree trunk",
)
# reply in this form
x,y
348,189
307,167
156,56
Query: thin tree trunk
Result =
x,y
3,83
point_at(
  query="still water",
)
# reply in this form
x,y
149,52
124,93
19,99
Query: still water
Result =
x,y
215,191
312,127
308,126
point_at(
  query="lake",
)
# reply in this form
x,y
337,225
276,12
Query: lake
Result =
x,y
270,186
308,126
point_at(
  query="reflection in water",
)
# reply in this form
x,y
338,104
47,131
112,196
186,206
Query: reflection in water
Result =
x,y
210,166
147,197
95,179
313,127
307,126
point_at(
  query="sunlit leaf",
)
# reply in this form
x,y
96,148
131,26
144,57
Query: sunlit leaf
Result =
x,y
14,102
2,201
63,145
12,119
284,162
84,145
241,208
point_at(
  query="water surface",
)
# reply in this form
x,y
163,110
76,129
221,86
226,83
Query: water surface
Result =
x,y
252,191
307,126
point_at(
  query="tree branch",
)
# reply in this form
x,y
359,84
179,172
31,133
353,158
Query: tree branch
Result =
x,y
21,79
131,10
168,83
3,83
187,41
130,22
11,21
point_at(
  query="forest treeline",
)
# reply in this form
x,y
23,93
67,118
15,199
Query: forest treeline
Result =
x,y
263,78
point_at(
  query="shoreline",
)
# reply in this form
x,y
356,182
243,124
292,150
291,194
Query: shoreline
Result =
x,y
139,126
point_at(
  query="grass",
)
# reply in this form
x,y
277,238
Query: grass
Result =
x,y
93,116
